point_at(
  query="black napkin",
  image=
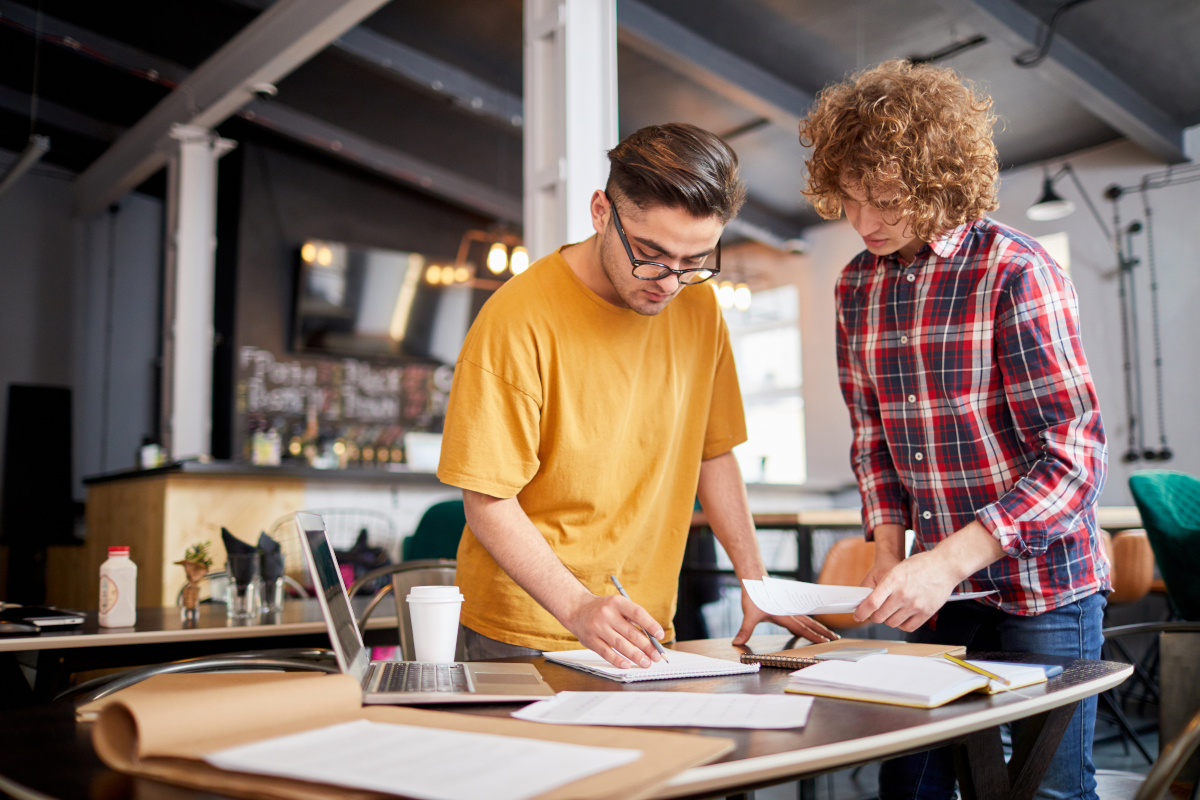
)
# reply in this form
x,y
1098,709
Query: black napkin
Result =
x,y
272,559
235,546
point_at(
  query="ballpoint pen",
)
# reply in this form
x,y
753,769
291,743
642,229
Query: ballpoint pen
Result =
x,y
653,641
974,668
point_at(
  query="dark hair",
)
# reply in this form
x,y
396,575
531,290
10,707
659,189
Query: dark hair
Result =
x,y
679,166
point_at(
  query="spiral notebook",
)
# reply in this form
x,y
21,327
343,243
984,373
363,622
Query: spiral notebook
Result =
x,y
681,665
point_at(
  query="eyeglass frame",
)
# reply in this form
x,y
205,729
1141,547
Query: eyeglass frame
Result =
x,y
638,262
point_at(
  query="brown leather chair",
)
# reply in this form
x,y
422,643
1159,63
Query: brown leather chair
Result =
x,y
1131,562
846,564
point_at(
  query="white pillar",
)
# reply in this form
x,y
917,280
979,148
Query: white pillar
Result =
x,y
570,116
188,290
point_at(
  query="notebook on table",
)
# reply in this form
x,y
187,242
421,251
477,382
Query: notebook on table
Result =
x,y
908,680
681,665
799,657
403,682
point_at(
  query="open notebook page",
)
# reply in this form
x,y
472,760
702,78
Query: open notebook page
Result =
x,y
671,710
681,665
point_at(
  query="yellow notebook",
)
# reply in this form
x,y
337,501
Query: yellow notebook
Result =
x,y
907,680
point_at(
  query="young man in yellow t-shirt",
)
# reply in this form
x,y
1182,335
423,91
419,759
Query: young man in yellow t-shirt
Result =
x,y
594,398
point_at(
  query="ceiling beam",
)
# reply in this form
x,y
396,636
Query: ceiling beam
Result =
x,y
662,39
1082,77
411,65
59,116
760,225
280,39
390,162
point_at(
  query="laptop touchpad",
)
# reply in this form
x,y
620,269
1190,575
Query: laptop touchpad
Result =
x,y
509,678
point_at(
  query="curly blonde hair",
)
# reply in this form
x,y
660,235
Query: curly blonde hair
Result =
x,y
914,137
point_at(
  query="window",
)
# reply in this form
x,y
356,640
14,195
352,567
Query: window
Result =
x,y
766,346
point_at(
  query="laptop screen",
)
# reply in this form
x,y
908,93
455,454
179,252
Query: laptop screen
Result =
x,y
335,604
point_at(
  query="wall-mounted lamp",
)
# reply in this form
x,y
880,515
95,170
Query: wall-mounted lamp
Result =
x,y
497,258
518,262
1050,205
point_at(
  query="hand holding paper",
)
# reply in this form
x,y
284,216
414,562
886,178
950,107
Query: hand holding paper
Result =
x,y
783,597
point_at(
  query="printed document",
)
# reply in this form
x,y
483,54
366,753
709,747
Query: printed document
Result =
x,y
784,597
671,710
423,763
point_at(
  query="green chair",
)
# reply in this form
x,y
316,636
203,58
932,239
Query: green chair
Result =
x,y
437,533
1170,506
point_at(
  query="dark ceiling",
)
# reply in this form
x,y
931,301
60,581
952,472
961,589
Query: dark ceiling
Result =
x,y
102,66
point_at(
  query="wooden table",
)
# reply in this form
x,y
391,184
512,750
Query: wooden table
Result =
x,y
43,750
804,523
160,635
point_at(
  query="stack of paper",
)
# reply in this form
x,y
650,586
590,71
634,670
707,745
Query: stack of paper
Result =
x,y
786,598
907,680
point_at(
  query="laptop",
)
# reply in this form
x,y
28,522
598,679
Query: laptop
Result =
x,y
404,682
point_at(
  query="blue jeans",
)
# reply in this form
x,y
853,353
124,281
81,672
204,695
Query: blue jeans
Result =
x,y
1072,630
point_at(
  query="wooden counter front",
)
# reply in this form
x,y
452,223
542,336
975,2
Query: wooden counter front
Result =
x,y
158,517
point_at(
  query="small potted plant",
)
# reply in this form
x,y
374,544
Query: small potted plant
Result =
x,y
197,561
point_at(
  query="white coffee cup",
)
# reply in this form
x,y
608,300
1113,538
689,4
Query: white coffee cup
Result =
x,y
433,611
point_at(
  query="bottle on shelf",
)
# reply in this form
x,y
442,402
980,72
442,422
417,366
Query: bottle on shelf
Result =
x,y
118,590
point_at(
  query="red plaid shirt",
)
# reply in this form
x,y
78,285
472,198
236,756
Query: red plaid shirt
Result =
x,y
971,399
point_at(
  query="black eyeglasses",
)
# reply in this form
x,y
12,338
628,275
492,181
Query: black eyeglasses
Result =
x,y
654,271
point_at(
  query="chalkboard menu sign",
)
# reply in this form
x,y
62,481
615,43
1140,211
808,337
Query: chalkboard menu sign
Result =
x,y
335,413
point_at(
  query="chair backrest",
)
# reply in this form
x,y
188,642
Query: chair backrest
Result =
x,y
1169,503
437,533
1171,760
1131,565
404,578
846,564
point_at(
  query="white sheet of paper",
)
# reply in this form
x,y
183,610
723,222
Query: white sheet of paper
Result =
x,y
671,710
425,763
783,597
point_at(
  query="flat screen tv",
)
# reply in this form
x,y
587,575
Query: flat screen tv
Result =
x,y
366,302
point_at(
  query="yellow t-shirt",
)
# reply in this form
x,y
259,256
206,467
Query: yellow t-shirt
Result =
x,y
596,418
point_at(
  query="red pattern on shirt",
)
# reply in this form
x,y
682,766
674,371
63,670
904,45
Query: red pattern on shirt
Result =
x,y
970,398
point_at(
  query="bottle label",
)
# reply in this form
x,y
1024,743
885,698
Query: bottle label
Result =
x,y
108,594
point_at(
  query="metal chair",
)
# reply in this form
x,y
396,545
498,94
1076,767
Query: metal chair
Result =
x,y
1117,785
425,572
343,526
281,660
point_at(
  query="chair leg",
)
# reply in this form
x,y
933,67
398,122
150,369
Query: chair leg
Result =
x,y
1114,706
1139,670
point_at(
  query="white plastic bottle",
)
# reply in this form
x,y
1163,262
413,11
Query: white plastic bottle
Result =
x,y
118,590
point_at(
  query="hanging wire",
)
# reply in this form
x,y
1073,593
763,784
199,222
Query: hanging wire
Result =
x,y
1131,454
1164,453
1135,342
37,68
1032,58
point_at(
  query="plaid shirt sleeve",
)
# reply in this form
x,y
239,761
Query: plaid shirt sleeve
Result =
x,y
884,499
1052,402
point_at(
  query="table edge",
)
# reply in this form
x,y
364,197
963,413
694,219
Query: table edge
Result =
x,y
729,774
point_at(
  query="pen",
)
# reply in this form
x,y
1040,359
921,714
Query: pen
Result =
x,y
653,641
974,668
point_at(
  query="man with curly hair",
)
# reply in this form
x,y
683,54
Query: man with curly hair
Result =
x,y
976,424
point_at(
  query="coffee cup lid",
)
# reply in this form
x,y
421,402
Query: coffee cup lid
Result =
x,y
434,593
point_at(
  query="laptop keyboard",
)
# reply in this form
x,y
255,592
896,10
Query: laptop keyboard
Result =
x,y
409,676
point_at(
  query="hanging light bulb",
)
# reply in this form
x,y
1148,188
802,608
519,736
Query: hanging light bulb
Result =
x,y
519,261
741,297
434,274
725,294
324,256
497,258
447,275
309,252
461,274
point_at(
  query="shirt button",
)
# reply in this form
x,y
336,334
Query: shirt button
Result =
x,y
926,515
919,456
903,340
912,398
910,277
